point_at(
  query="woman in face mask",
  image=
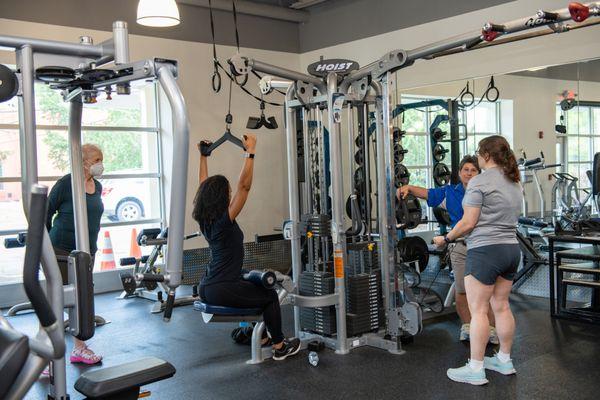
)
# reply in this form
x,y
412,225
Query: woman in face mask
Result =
x,y
61,226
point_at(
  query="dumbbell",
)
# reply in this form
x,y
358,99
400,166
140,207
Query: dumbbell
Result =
x,y
267,279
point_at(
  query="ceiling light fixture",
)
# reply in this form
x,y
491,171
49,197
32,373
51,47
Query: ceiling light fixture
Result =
x,y
157,13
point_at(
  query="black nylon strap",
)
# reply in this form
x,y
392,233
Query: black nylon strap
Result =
x,y
235,24
216,78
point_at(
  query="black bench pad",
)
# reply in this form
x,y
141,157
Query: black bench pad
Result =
x,y
110,380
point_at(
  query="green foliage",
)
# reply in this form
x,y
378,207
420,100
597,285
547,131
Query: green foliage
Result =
x,y
121,149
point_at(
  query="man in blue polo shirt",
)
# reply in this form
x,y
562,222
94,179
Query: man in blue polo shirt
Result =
x,y
450,198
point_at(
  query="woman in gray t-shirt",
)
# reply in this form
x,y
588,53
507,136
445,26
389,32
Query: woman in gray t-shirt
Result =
x,y
491,205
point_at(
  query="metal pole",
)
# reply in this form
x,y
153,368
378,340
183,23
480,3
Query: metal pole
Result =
x,y
367,165
307,169
54,47
179,162
294,203
121,41
27,132
541,194
284,73
82,238
29,174
337,211
385,199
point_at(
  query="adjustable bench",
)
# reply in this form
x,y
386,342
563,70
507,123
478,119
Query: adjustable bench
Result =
x,y
123,381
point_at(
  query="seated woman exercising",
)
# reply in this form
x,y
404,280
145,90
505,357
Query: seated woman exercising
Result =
x,y
215,210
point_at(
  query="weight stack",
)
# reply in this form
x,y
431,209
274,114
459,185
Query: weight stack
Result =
x,y
361,259
318,320
364,303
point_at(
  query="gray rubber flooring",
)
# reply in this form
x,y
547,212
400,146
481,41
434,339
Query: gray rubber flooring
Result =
x,y
554,360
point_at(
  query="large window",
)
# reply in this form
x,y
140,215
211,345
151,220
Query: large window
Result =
x,y
125,128
582,139
484,120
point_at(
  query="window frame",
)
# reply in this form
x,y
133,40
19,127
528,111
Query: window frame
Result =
x,y
430,113
563,139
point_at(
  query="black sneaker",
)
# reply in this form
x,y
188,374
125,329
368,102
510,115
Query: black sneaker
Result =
x,y
289,348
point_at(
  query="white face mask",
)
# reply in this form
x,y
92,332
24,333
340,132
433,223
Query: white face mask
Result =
x,y
97,169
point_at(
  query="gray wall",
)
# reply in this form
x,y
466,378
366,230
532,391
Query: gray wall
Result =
x,y
255,32
341,21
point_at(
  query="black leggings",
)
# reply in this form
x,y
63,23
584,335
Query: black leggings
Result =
x,y
244,294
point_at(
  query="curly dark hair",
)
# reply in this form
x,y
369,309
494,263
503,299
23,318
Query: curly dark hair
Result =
x,y
211,201
498,149
469,159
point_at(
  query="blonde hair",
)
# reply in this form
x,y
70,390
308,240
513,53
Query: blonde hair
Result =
x,y
89,148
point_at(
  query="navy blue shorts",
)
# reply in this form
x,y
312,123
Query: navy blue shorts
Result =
x,y
487,263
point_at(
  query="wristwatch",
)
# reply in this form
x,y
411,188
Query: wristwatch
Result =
x,y
448,240
248,155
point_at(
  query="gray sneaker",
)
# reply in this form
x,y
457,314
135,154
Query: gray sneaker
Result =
x,y
494,364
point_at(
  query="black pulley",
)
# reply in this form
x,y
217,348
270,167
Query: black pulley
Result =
x,y
359,157
413,248
408,212
439,152
441,215
401,175
399,153
55,74
437,134
9,83
97,75
441,174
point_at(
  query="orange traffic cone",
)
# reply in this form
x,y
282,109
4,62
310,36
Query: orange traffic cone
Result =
x,y
108,258
134,248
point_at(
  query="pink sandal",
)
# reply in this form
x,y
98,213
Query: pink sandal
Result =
x,y
84,355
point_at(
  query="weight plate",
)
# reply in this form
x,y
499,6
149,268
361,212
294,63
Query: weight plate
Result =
x,y
441,215
439,152
9,83
359,141
399,153
401,175
397,134
408,212
414,248
438,134
441,174
358,178
358,157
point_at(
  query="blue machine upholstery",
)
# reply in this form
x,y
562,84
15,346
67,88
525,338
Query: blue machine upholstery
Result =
x,y
221,310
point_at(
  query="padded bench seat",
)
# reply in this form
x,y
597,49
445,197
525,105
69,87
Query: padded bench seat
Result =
x,y
124,380
222,310
212,313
